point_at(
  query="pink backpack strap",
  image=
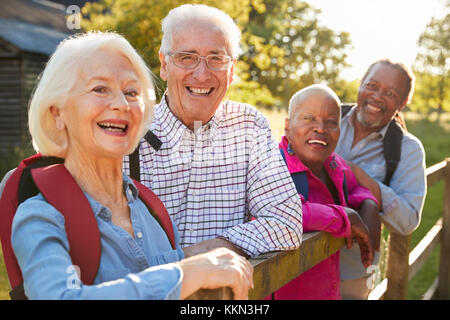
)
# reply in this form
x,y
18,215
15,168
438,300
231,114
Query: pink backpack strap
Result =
x,y
61,190
157,207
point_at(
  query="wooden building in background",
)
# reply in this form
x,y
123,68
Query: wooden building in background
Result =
x,y
29,33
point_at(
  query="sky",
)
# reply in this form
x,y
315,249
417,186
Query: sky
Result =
x,y
378,28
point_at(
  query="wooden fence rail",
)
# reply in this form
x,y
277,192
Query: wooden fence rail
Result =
x,y
273,270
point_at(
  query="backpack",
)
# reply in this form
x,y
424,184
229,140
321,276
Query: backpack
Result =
x,y
49,176
301,182
392,142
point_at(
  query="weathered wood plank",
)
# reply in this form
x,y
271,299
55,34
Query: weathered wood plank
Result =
x,y
397,267
378,292
444,263
420,253
287,265
275,269
431,292
435,173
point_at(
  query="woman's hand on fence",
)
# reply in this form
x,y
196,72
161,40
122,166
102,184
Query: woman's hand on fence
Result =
x,y
366,181
216,269
360,232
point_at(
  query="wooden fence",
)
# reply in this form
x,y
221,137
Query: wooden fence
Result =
x,y
273,270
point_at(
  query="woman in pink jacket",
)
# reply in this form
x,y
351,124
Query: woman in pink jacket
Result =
x,y
311,133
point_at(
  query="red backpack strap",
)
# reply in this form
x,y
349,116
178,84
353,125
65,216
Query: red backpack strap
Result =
x,y
61,190
156,207
8,207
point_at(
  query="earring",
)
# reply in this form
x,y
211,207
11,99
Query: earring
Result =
x,y
290,151
333,163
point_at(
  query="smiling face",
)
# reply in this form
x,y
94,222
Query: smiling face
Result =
x,y
104,109
313,128
195,94
381,95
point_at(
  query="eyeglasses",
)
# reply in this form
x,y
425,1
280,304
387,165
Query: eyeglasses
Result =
x,y
189,60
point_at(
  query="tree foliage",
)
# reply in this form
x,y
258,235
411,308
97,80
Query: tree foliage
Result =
x,y
284,45
432,66
287,48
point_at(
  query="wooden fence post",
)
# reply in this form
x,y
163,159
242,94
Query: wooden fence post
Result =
x,y
443,291
397,267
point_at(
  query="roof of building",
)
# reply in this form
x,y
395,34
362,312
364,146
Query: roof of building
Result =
x,y
33,26
30,37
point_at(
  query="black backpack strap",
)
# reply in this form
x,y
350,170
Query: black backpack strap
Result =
x,y
300,180
154,141
27,187
345,188
392,142
345,108
392,148
134,165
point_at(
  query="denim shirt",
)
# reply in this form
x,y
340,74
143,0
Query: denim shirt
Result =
x,y
403,199
139,267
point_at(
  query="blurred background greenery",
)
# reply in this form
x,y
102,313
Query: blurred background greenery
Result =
x,y
285,47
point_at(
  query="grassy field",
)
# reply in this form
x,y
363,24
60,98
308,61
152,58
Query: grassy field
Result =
x,y
435,137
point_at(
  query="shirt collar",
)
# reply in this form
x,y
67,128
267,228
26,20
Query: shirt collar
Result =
x,y
173,129
130,189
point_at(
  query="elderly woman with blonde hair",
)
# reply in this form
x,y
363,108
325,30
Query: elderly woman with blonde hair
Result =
x,y
91,107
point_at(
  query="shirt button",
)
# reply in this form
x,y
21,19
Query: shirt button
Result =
x,y
139,235
130,193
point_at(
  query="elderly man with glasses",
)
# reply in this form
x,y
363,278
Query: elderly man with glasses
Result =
x,y
217,168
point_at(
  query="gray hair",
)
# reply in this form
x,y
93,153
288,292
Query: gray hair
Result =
x,y
301,94
178,17
60,75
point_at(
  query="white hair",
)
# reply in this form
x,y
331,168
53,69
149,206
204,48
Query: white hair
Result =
x,y
301,94
59,77
180,16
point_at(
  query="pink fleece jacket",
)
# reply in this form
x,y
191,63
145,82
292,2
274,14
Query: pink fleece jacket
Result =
x,y
321,214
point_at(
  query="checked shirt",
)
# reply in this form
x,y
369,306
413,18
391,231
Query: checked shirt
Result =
x,y
215,179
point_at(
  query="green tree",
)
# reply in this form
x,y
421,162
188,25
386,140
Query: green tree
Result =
x,y
347,91
432,66
284,46
287,48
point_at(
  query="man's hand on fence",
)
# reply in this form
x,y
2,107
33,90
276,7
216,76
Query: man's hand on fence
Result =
x,y
360,232
366,181
369,214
